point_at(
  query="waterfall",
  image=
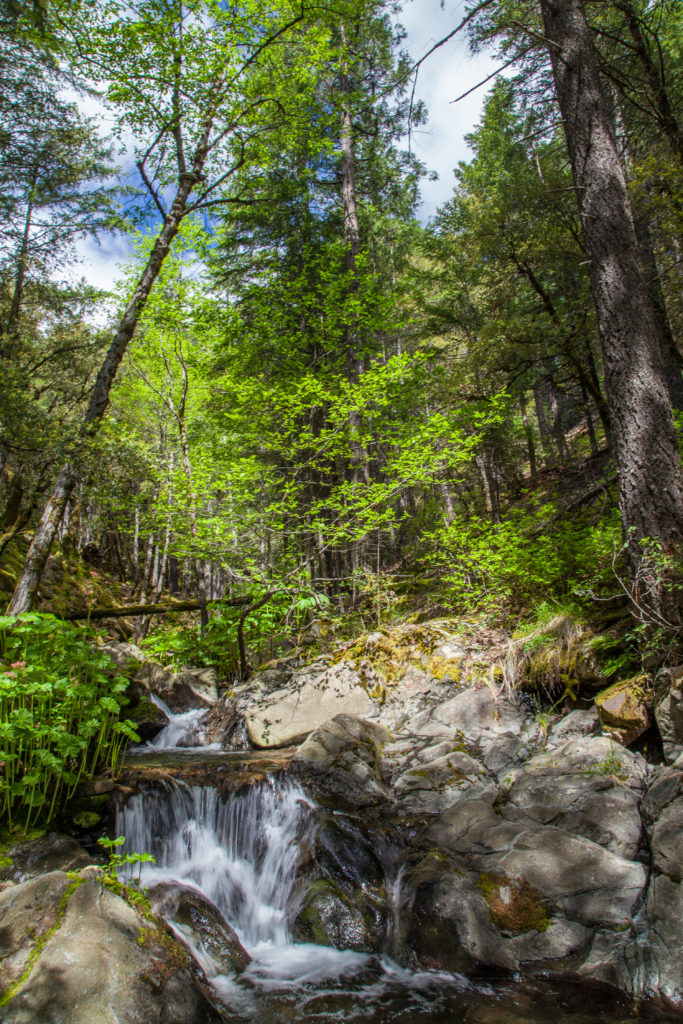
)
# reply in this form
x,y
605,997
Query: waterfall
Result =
x,y
183,730
241,854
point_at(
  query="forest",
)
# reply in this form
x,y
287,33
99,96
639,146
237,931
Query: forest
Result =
x,y
303,413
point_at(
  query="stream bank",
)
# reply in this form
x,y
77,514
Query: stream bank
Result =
x,y
405,843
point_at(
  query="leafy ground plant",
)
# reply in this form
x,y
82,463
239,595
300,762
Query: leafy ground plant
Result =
x,y
60,708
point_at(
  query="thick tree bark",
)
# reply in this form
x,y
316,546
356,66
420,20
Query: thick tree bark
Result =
x,y
644,440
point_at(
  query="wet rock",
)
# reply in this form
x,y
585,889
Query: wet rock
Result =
x,y
313,696
624,709
98,960
341,760
200,925
450,926
182,691
147,718
669,712
221,721
48,853
328,916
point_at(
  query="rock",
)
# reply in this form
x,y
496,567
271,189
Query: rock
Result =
x,y
314,695
666,842
669,712
221,721
50,852
189,688
27,913
645,961
127,657
329,917
147,718
574,876
495,728
203,682
575,725
97,959
432,786
585,789
560,940
624,709
200,924
449,926
341,761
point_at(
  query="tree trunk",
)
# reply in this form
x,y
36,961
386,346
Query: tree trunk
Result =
x,y
43,539
529,434
644,439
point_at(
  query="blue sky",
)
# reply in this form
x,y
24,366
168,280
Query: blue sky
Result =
x,y
440,144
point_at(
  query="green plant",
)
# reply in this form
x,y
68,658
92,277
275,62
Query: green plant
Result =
x,y
130,889
60,705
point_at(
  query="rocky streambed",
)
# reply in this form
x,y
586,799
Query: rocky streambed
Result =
x,y
386,835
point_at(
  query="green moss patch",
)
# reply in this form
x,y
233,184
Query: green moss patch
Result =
x,y
515,906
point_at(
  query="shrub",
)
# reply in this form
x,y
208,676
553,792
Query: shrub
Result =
x,y
60,705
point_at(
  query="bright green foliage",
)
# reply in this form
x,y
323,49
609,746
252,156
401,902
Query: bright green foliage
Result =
x,y
60,705
524,560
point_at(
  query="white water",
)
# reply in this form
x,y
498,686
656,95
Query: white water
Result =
x,y
183,730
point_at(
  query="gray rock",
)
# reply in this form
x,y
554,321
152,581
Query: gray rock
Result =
x,y
189,688
573,726
50,852
126,656
560,940
645,961
341,760
666,842
102,963
432,786
450,926
669,711
576,790
665,786
578,878
314,695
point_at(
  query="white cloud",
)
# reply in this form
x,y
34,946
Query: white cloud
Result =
x,y
446,74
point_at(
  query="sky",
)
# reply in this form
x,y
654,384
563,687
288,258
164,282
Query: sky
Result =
x,y
440,144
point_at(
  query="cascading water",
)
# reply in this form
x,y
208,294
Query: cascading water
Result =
x,y
240,854
183,730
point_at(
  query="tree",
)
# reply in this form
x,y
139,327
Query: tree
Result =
x,y
189,79
646,452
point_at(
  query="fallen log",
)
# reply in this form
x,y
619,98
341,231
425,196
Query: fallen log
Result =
x,y
150,609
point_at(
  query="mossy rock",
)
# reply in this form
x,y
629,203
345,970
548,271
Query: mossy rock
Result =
x,y
625,708
330,917
515,906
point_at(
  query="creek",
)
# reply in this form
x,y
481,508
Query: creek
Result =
x,y
241,858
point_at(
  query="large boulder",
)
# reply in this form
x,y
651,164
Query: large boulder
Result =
x,y
313,696
587,787
669,712
341,761
76,953
450,926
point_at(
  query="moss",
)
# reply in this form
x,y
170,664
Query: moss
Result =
x,y
87,819
515,906
5,862
11,990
